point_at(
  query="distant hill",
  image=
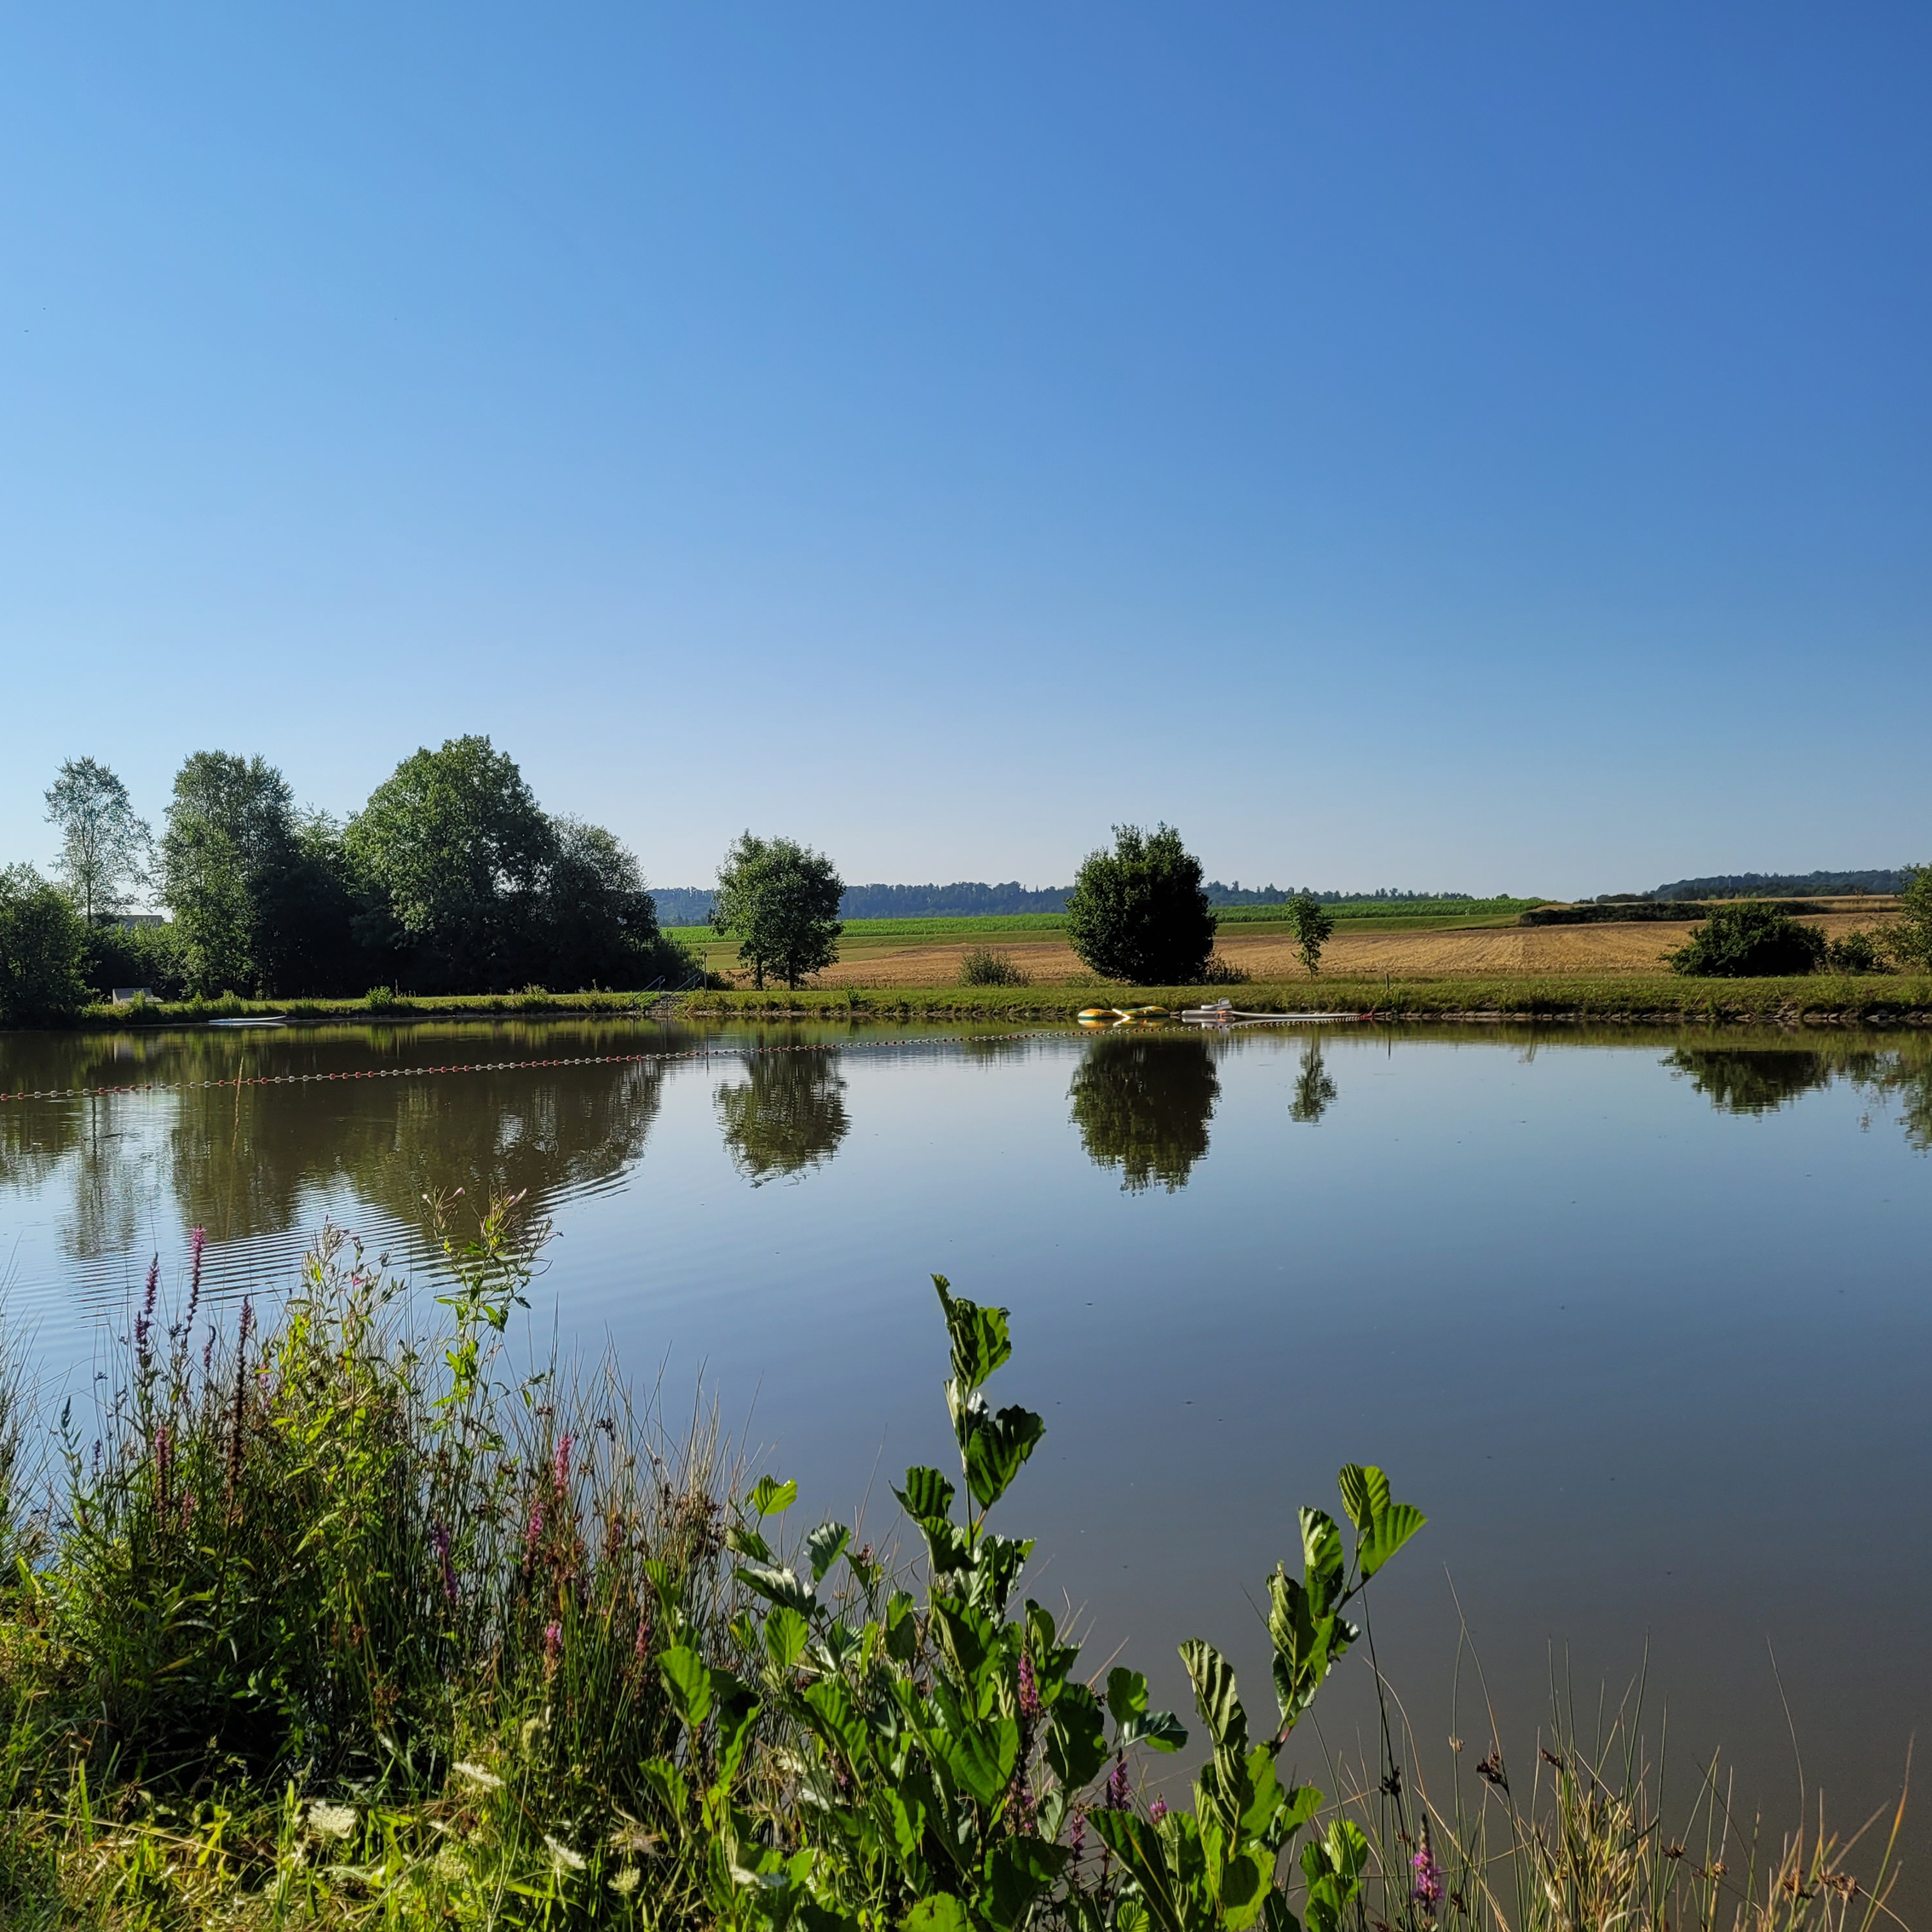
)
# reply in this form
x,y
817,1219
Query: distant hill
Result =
x,y
691,906
1780,885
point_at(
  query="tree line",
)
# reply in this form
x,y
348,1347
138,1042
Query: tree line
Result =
x,y
451,878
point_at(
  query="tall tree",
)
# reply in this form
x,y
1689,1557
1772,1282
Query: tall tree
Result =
x,y
1140,912
104,846
457,850
779,900
227,853
1314,926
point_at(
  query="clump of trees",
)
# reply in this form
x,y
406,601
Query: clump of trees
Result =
x,y
452,878
1140,912
779,899
43,950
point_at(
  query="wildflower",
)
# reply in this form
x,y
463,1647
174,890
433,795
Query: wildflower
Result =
x,y
1116,1798
153,1288
1030,1706
477,1775
1076,1839
439,1539
553,1645
534,1532
561,1468
624,1882
163,1462
1427,1889
644,1635
1158,1810
247,1319
567,1858
197,1240
332,1820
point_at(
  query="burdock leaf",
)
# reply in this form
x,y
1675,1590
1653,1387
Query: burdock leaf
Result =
x,y
997,1449
1392,1528
979,1339
1126,1693
1364,1493
927,1496
823,1546
1213,1678
772,1498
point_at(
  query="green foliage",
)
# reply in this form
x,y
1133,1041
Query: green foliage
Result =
x,y
1860,951
104,846
43,948
147,956
1142,1102
779,900
786,1115
983,966
1314,926
1910,940
1139,912
1748,939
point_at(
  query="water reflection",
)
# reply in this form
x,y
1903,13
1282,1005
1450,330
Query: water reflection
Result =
x,y
787,1116
1739,1078
1315,1092
1143,1103
1740,1081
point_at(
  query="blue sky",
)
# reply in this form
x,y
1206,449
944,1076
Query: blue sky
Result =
x,y
1481,447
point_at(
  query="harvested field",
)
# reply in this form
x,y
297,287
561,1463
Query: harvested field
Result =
x,y
1618,951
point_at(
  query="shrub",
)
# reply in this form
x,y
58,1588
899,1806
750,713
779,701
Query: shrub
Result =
x,y
1859,952
1222,971
1140,912
983,967
1910,941
1749,940
42,945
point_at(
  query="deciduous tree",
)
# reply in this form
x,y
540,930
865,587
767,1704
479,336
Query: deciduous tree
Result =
x,y
104,846
779,900
1140,912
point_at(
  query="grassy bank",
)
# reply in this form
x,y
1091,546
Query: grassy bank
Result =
x,y
342,1623
1819,999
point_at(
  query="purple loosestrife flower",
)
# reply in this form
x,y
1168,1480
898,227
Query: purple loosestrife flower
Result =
x,y
247,1319
1427,1892
644,1635
560,1470
153,1288
197,1240
533,1531
440,1538
1030,1706
1158,1810
1116,1799
1076,1839
553,1646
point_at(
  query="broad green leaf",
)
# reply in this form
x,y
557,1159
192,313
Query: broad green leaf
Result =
x,y
775,1584
980,1760
1213,1678
748,1542
1126,1693
1159,1730
667,1782
835,1717
905,1819
823,1545
979,1339
1392,1528
926,1494
1243,1889
995,1450
1136,1842
785,1635
901,1627
1019,1870
967,1638
1076,1742
772,1498
687,1679
940,1912
1321,1555
1364,1493
996,1566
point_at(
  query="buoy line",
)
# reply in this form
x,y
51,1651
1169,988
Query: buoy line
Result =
x,y
520,1066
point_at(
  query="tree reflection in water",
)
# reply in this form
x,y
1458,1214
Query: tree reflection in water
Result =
x,y
1143,1103
1315,1092
1736,1080
787,1115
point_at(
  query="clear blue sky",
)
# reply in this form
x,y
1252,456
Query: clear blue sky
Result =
x,y
1473,446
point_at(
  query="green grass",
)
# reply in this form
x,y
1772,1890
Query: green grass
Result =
x,y
1700,1001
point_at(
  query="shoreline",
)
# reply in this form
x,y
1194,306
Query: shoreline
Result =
x,y
1823,1001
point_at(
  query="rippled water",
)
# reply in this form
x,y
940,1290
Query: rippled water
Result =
x,y
1642,1321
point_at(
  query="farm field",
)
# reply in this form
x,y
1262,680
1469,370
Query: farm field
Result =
x,y
928,953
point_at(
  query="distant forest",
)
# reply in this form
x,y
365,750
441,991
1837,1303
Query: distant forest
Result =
x,y
1778,885
691,906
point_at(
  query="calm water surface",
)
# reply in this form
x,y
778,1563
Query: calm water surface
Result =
x,y
1641,1321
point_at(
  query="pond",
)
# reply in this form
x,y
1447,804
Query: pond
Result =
x,y
1641,1320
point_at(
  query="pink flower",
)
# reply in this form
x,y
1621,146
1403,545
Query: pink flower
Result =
x,y
1116,1798
1427,1892
197,1240
533,1532
1077,1840
1158,1810
562,1468
1030,1706
439,1539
